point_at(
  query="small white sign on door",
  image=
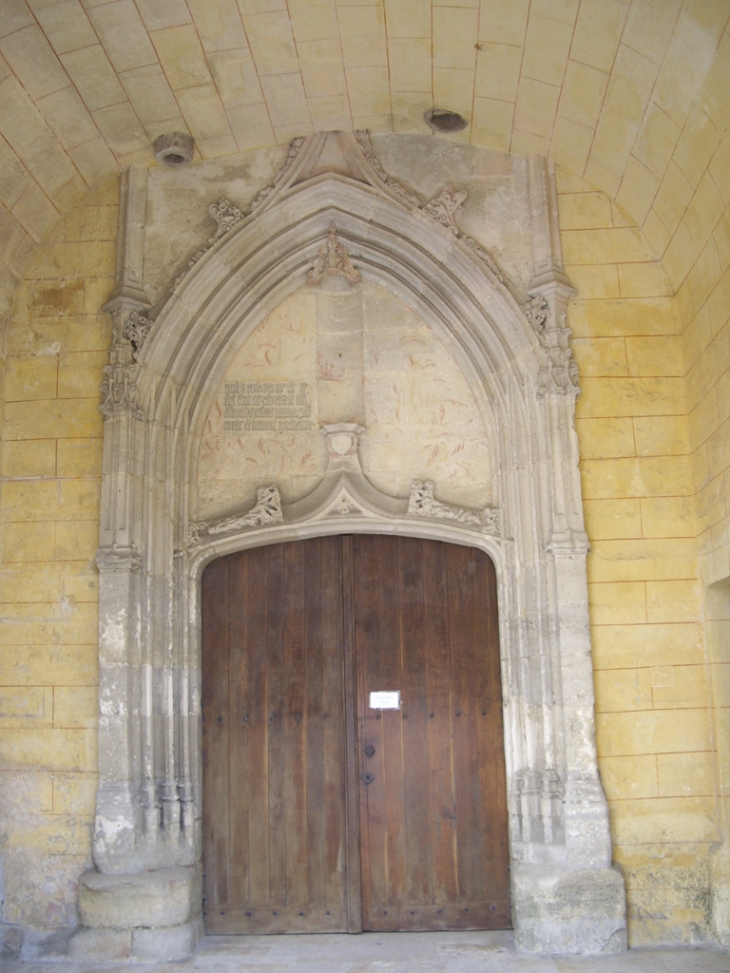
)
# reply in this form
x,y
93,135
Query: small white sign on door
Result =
x,y
385,700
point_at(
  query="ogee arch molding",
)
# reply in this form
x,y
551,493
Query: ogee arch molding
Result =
x,y
510,343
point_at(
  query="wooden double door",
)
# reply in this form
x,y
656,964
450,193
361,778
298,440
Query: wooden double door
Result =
x,y
327,809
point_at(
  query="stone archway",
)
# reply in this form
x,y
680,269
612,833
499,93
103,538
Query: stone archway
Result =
x,y
165,368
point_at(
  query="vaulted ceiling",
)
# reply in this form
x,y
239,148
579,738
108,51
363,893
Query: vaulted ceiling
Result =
x,y
632,95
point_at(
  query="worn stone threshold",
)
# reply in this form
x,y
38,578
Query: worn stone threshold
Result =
x,y
436,952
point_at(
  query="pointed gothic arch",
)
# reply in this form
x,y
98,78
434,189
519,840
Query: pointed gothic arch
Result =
x,y
165,366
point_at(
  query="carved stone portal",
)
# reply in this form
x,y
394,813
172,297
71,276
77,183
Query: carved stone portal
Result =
x,y
511,340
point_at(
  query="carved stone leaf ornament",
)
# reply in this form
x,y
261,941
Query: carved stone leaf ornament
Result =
x,y
228,216
558,369
266,511
118,388
137,329
443,207
422,503
537,310
333,259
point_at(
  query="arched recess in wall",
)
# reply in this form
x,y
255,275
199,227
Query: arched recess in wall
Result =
x,y
512,349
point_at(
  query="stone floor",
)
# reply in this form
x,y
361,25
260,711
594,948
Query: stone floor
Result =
x,y
438,952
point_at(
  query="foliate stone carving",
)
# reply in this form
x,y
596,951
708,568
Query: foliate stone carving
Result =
x,y
537,310
333,259
557,369
192,535
491,521
267,511
294,147
422,503
344,506
136,330
363,139
118,390
228,216
119,385
444,206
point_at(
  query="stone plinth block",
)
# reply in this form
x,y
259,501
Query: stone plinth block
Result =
x,y
560,911
167,944
151,900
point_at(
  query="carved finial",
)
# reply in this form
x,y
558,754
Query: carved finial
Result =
x,y
333,258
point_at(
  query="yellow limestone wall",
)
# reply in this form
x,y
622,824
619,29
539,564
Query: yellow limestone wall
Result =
x,y
653,716
56,344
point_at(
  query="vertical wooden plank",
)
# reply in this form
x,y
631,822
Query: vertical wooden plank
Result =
x,y
352,747
442,802
214,601
297,576
258,723
495,849
238,697
368,627
316,871
276,613
386,674
414,720
467,675
332,718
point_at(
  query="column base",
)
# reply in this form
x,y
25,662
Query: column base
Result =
x,y
143,916
560,911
